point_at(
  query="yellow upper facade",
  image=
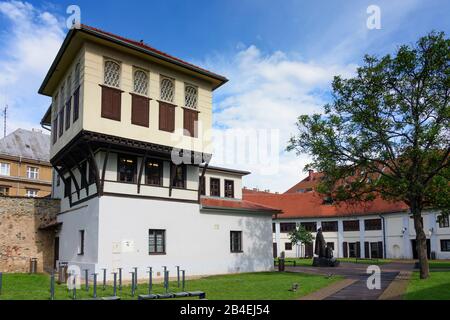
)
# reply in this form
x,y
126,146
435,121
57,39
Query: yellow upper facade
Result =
x,y
110,85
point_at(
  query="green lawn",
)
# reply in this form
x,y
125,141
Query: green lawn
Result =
x,y
308,262
439,264
254,286
436,287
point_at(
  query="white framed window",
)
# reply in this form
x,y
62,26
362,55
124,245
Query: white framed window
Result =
x,y
32,173
167,89
112,74
32,193
5,169
140,82
190,96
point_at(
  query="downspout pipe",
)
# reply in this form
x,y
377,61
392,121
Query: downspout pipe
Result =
x,y
384,237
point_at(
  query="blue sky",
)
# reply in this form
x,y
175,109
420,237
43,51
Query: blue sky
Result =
x,y
280,56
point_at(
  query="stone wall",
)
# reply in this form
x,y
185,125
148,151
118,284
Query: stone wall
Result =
x,y
27,230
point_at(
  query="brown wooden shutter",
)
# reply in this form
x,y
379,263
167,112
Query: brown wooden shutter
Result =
x,y
111,103
345,249
166,117
61,121
55,129
76,104
190,119
68,112
140,110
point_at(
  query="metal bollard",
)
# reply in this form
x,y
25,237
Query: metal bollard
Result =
x,y
115,284
150,280
132,284
86,279
95,284
104,278
52,285
183,279
120,279
135,277
178,276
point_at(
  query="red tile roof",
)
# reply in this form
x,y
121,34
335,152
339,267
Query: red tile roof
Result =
x,y
254,191
311,181
309,205
234,204
146,47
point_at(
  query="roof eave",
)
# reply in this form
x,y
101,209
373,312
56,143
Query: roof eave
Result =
x,y
222,80
263,211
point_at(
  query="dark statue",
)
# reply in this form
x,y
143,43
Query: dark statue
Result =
x,y
323,252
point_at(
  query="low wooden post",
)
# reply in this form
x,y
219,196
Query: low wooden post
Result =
x,y
135,278
86,280
95,285
52,285
150,280
120,279
132,284
104,278
115,284
178,276
74,284
183,279
167,281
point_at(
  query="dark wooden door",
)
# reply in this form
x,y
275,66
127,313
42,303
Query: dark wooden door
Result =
x,y
275,251
309,250
414,249
56,252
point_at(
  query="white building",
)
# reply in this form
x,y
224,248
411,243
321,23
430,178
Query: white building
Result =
x,y
123,117
378,229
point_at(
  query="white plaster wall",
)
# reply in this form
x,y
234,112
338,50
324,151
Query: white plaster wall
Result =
x,y
197,241
224,176
82,217
399,229
94,61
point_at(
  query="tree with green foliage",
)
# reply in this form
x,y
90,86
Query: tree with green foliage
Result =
x,y
386,133
301,236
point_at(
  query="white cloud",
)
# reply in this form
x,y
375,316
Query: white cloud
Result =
x,y
269,91
29,44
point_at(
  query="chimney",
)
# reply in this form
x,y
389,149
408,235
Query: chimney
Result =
x,y
310,174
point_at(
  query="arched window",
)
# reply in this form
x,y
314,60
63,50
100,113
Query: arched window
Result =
x,y
140,82
112,74
77,76
190,96
167,89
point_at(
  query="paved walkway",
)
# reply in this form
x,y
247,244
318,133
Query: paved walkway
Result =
x,y
354,287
